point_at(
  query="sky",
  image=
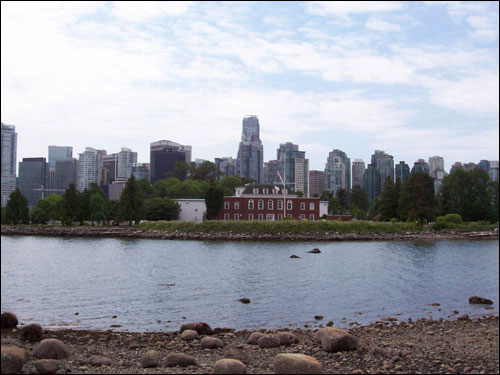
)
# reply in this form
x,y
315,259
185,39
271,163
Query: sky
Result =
x,y
415,79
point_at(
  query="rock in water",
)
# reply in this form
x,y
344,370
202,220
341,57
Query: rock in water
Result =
x,y
480,300
9,320
294,257
314,251
244,300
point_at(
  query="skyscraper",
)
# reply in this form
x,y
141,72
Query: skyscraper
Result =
x,y
164,155
126,159
420,166
57,153
9,156
226,165
33,179
89,169
251,152
372,182
338,172
435,163
316,183
294,167
358,169
385,165
402,172
109,168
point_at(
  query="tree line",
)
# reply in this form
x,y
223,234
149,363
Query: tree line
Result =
x,y
140,200
470,194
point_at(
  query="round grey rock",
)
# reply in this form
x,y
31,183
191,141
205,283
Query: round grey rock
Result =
x,y
46,366
150,359
51,349
211,343
180,359
254,337
269,341
294,363
229,366
32,332
190,334
8,320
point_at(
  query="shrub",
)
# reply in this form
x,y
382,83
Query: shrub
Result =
x,y
440,219
394,220
453,218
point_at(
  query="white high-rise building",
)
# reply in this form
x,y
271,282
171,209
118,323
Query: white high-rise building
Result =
x,y
9,156
89,169
126,160
436,163
338,172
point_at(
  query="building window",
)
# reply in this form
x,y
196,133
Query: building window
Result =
x,y
302,216
270,204
280,217
250,216
311,217
250,204
261,216
226,205
270,217
280,204
311,206
302,206
226,216
261,204
289,205
236,216
236,205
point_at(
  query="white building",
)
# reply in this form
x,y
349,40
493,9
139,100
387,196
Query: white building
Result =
x,y
89,169
9,156
126,159
192,209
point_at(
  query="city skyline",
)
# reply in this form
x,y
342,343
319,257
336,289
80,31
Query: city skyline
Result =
x,y
412,79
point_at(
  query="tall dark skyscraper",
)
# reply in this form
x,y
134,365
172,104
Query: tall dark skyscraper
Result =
x,y
33,179
402,172
164,155
251,152
372,182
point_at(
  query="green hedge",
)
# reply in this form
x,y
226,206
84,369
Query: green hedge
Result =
x,y
286,226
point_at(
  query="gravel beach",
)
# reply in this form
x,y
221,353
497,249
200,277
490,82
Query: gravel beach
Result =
x,y
463,345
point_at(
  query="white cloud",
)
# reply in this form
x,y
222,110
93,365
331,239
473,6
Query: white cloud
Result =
x,y
381,25
142,11
342,8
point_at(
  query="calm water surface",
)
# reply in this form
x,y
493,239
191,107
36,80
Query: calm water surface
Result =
x,y
154,285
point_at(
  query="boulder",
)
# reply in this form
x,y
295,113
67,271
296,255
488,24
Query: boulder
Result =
x,y
13,359
480,300
189,334
51,349
244,300
294,363
100,360
294,257
211,343
200,327
269,341
9,320
46,366
235,351
180,359
336,340
150,359
287,338
229,366
254,337
32,332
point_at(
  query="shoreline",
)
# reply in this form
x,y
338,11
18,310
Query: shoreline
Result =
x,y
131,232
463,345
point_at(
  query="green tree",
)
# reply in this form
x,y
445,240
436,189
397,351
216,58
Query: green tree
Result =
x,y
70,205
47,209
389,200
341,196
493,194
205,171
4,215
181,171
17,211
162,209
359,199
230,183
214,198
98,208
417,199
131,205
163,188
113,211
146,187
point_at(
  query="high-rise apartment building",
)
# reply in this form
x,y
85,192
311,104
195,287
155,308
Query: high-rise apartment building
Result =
x,y
141,170
250,158
316,183
225,167
493,170
164,155
420,166
66,174
337,172
470,166
484,165
126,159
385,165
33,179
455,166
9,161
358,169
89,169
271,169
436,163
372,182
109,168
402,172
294,167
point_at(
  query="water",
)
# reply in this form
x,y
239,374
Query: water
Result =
x,y
155,285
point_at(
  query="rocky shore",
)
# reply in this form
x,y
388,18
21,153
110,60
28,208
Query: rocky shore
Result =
x,y
131,232
425,346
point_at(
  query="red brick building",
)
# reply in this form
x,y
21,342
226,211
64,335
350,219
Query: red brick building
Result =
x,y
263,202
